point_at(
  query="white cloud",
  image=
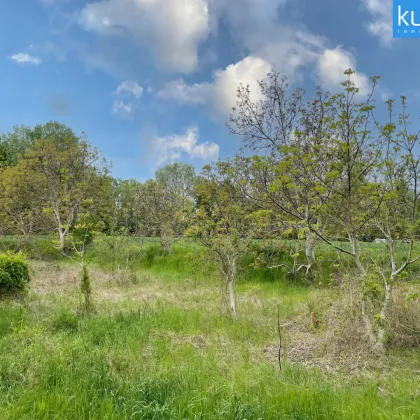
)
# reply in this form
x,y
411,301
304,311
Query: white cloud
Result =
x,y
183,93
293,51
333,63
288,47
122,110
130,87
22,59
255,25
173,148
171,29
381,24
252,22
247,72
127,91
220,94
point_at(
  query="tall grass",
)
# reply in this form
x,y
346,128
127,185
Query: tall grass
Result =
x,y
163,348
144,364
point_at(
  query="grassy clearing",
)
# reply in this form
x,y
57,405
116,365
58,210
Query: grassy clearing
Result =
x,y
165,348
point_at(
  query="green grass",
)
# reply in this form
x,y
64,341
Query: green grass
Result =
x,y
137,365
127,366
165,348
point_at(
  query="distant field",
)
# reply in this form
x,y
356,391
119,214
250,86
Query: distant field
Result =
x,y
161,345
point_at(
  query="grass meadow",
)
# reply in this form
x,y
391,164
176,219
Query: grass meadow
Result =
x,y
161,345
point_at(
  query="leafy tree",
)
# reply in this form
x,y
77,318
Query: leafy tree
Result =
x,y
223,223
126,216
398,216
320,158
178,181
20,203
278,126
68,171
123,241
157,214
14,144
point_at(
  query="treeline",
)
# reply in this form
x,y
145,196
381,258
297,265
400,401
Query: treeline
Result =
x,y
325,169
52,179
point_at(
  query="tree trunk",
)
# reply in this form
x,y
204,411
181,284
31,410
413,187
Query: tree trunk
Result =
x,y
232,299
368,324
356,256
310,254
62,236
384,312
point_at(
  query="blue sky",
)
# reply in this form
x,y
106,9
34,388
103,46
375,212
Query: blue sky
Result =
x,y
152,81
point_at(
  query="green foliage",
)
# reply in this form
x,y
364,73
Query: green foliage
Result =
x,y
137,362
13,145
86,289
65,321
12,319
14,273
373,287
150,254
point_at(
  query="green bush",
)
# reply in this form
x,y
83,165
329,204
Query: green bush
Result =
x,y
14,273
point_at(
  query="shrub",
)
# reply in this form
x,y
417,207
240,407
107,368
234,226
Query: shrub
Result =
x,y
14,273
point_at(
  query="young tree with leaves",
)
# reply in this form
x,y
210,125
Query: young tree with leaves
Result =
x,y
290,134
224,224
321,157
398,218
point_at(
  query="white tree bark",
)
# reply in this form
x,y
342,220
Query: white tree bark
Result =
x,y
356,254
310,253
62,236
232,299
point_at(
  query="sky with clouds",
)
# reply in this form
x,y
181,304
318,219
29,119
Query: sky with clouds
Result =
x,y
153,81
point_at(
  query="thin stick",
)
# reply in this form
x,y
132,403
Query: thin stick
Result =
x,y
279,331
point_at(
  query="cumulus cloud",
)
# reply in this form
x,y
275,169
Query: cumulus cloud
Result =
x,y
381,24
130,87
260,27
220,94
293,51
171,29
333,63
122,109
173,148
22,59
